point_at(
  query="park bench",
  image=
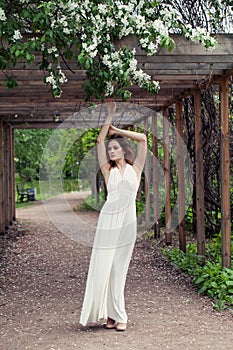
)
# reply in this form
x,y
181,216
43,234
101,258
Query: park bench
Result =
x,y
22,194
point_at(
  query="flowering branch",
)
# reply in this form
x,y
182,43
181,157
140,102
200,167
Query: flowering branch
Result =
x,y
86,31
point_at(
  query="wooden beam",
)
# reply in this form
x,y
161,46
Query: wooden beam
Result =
x,y
225,176
199,175
155,175
180,168
166,142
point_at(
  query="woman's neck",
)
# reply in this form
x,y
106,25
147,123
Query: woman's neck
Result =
x,y
121,163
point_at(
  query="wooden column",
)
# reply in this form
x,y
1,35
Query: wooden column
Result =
x,y
12,175
166,142
155,176
147,181
225,176
140,190
199,175
2,211
6,174
180,168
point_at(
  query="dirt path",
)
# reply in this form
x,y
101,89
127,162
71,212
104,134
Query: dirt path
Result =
x,y
42,285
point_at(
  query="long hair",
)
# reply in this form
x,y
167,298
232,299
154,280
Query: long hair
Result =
x,y
125,145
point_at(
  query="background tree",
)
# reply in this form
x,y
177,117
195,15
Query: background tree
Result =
x,y
29,145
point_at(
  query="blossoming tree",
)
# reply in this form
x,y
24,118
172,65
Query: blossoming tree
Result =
x,y
52,33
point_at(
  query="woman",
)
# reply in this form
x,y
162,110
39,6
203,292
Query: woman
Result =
x,y
116,229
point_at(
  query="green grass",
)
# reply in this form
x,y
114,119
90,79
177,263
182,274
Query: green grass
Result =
x,y
48,189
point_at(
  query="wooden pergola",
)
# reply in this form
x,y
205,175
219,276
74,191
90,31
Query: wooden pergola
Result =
x,y
181,73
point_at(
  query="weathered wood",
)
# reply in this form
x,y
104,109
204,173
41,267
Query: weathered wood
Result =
x,y
166,143
183,46
2,209
6,174
225,176
177,71
140,190
147,181
207,57
12,177
155,175
180,168
199,180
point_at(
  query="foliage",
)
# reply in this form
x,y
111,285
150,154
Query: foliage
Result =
x,y
75,156
29,145
69,153
211,146
90,203
50,33
217,283
188,262
213,280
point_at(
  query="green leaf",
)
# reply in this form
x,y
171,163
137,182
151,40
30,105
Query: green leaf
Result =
x,y
17,53
229,283
11,83
87,64
203,289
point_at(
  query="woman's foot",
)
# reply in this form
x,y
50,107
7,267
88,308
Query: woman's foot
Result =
x,y
121,326
110,323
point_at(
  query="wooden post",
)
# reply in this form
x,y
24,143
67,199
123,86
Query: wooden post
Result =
x,y
180,168
6,174
147,181
155,176
199,175
2,212
140,189
12,175
225,176
166,142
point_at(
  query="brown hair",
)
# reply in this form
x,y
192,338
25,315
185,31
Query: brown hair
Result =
x,y
125,145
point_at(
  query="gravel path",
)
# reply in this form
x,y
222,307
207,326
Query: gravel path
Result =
x,y
43,280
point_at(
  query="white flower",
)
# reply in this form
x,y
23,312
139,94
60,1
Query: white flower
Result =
x,y
63,79
53,50
109,89
150,11
51,80
159,27
91,50
84,37
133,64
110,23
17,35
152,48
102,9
66,30
156,84
2,15
168,14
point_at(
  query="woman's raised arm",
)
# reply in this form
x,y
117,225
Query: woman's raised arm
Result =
x,y
101,149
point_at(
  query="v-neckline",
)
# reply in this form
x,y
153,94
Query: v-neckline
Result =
x,y
122,174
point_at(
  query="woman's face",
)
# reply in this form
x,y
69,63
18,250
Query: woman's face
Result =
x,y
115,150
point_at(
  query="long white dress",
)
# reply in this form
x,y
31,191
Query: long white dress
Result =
x,y
112,250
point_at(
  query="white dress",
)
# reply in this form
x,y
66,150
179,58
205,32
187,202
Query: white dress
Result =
x,y
112,250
